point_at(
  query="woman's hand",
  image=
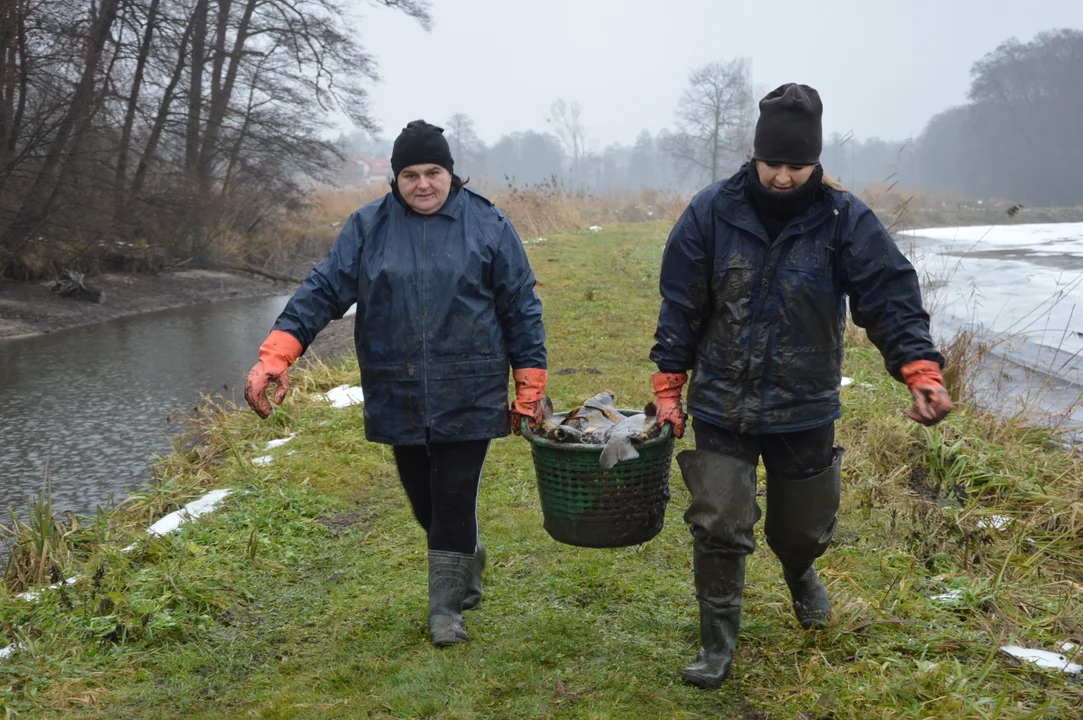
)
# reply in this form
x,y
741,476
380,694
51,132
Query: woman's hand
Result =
x,y
667,388
276,354
932,403
529,390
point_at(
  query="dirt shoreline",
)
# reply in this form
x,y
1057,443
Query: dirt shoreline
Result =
x,y
29,309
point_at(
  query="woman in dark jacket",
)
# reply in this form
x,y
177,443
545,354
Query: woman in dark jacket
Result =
x,y
754,281
445,304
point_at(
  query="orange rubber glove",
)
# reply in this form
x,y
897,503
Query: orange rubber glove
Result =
x,y
667,388
529,390
931,400
276,354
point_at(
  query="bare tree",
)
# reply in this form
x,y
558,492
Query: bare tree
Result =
x,y
138,76
569,128
71,131
174,121
715,118
196,67
15,72
466,147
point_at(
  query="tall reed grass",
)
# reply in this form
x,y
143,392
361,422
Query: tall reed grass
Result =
x,y
40,547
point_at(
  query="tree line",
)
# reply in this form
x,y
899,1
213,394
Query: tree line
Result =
x,y
174,128
1014,140
712,134
1017,137
172,123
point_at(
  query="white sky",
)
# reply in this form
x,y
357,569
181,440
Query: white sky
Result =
x,y
883,67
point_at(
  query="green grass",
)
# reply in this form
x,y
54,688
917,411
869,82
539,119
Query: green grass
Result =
x,y
304,595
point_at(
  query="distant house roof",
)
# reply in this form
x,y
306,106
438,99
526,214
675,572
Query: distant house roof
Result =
x,y
375,166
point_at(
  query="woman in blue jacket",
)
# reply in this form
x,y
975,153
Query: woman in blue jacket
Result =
x,y
754,281
445,305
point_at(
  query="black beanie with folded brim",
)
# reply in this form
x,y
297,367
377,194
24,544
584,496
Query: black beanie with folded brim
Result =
x,y
789,130
421,143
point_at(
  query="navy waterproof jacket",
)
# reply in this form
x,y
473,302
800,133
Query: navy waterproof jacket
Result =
x,y
445,303
760,323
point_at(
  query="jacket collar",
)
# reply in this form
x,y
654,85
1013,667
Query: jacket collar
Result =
x,y
732,205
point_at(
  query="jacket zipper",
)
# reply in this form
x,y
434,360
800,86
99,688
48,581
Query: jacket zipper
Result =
x,y
767,284
424,324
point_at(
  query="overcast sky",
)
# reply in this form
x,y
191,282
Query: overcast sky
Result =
x,y
883,67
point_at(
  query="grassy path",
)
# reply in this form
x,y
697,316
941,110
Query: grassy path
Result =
x,y
304,594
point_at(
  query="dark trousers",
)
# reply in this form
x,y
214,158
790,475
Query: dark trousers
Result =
x,y
441,480
786,456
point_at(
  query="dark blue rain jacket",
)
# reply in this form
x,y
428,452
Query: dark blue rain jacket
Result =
x,y
445,303
760,324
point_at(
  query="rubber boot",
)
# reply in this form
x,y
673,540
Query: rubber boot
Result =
x,y
720,581
473,584
810,602
801,520
448,574
722,516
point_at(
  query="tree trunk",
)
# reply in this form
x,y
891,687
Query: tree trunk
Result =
x,y
120,177
24,78
8,12
160,120
235,152
14,70
195,87
715,141
221,30
44,191
220,101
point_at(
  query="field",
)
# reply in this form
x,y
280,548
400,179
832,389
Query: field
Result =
x,y
304,594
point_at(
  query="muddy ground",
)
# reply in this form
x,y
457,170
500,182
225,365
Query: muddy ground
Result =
x,y
33,309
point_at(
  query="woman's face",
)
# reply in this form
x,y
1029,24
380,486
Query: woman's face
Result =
x,y
424,187
781,178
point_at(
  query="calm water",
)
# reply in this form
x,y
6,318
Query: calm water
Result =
x,y
89,405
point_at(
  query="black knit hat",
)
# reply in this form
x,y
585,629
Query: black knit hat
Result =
x,y
789,130
420,143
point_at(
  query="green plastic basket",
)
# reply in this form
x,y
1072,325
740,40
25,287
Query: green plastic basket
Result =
x,y
584,504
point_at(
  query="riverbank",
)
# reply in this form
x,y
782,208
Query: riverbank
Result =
x,y
28,309
303,594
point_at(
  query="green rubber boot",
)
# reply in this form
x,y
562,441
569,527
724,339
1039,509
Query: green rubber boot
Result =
x,y
720,583
801,520
722,516
448,574
473,585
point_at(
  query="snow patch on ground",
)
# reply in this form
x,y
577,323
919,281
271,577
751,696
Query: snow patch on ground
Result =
x,y
344,396
949,596
997,522
1043,658
272,444
35,594
191,511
